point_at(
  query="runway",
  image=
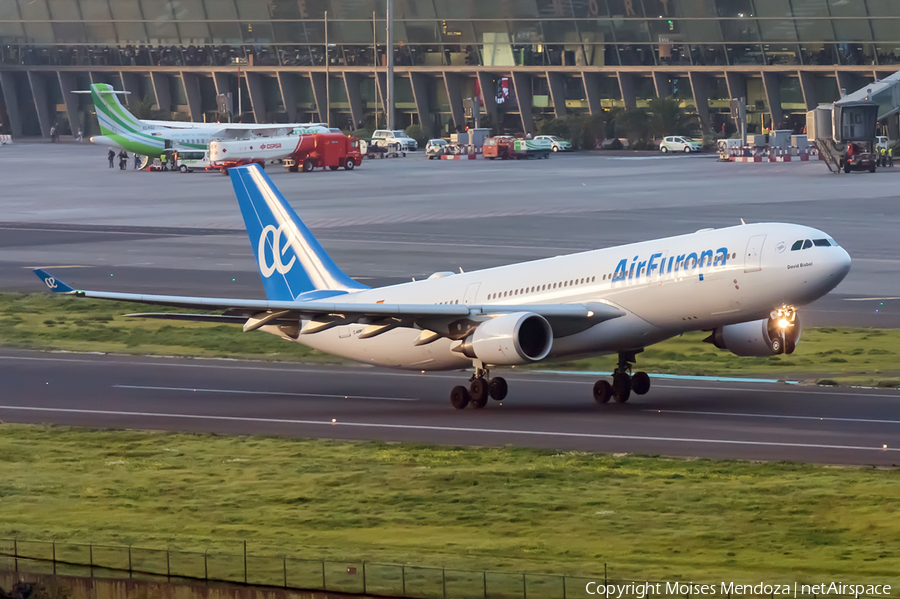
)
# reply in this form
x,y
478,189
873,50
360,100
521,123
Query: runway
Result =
x,y
677,418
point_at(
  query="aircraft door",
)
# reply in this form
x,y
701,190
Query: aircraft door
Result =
x,y
753,255
471,293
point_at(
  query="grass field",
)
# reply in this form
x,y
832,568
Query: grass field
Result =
x,y
482,508
41,321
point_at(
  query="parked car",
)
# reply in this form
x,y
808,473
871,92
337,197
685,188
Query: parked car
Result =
x,y
678,143
435,148
557,144
385,136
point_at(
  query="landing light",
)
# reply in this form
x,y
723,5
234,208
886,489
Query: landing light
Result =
x,y
783,323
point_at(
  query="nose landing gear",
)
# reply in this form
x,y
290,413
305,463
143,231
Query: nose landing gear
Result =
x,y
623,382
481,386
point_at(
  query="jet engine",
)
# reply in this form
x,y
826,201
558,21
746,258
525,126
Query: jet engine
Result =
x,y
511,339
771,336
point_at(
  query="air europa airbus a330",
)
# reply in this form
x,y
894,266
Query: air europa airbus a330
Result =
x,y
741,283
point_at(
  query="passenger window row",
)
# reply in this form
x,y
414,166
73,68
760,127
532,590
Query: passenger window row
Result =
x,y
804,244
538,288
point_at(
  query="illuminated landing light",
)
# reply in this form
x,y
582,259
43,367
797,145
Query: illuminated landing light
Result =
x,y
783,323
590,313
884,446
333,420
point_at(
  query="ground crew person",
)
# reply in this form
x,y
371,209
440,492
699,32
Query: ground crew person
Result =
x,y
111,155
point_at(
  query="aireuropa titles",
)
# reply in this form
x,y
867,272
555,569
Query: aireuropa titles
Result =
x,y
642,590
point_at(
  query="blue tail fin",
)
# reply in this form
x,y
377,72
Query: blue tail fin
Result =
x,y
291,261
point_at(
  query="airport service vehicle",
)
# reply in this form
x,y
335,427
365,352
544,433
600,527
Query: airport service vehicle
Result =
x,y
557,144
530,148
228,153
743,284
324,150
383,137
122,130
860,156
677,143
294,151
187,161
499,146
435,148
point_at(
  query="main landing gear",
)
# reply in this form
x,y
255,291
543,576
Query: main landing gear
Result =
x,y
623,383
481,386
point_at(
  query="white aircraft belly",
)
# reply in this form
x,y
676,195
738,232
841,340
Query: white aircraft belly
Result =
x,y
395,349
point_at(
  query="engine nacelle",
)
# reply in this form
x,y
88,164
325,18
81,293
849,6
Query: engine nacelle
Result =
x,y
759,338
509,340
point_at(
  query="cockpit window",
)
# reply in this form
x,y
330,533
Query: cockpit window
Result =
x,y
821,243
797,245
807,244
833,242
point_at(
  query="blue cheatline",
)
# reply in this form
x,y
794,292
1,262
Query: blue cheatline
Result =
x,y
683,377
291,261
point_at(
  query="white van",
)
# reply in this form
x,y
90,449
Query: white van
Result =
x,y
187,161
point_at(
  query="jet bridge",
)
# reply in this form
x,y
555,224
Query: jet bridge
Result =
x,y
852,121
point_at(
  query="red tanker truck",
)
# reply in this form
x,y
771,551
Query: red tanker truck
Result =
x,y
321,150
308,151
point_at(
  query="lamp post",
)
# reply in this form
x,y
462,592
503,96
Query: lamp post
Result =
x,y
390,66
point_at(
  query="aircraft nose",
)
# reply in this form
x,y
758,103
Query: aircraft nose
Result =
x,y
840,264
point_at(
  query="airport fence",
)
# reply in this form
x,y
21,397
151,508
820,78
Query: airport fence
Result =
x,y
348,577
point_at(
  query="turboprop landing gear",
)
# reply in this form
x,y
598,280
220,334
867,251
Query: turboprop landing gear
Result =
x,y
623,382
481,386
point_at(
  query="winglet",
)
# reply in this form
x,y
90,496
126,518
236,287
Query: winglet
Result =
x,y
52,283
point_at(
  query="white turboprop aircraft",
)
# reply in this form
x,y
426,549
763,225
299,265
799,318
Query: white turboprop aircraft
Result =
x,y
121,129
741,283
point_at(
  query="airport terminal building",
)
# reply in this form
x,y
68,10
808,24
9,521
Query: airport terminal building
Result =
x,y
527,60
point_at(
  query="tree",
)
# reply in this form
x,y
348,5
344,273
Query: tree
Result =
x,y
143,109
634,124
667,117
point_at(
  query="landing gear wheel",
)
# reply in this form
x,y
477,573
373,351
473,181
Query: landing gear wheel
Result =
x,y
640,383
602,391
777,346
459,397
498,388
350,164
308,166
621,387
478,392
789,346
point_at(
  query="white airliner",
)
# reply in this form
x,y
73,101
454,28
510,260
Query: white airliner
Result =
x,y
741,283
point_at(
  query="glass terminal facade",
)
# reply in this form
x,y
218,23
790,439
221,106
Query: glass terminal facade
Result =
x,y
527,60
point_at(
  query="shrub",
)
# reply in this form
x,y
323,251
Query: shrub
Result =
x,y
582,131
418,134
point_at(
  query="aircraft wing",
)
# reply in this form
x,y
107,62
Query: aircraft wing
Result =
x,y
565,319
